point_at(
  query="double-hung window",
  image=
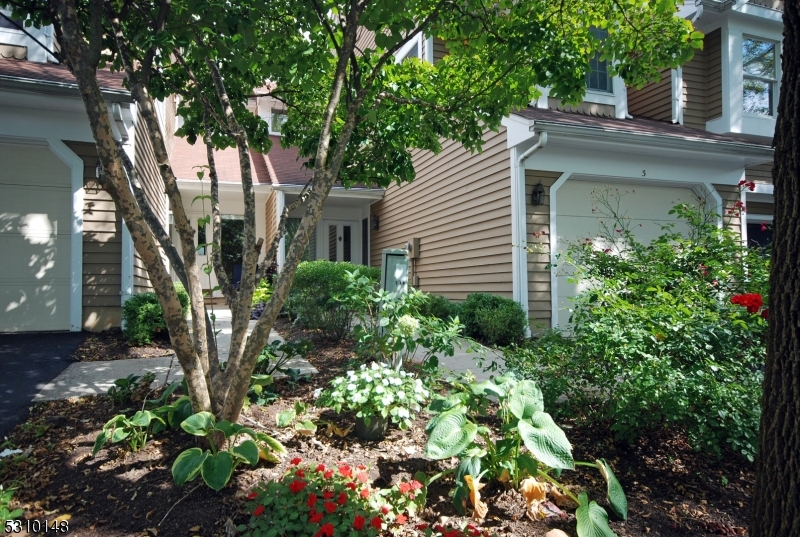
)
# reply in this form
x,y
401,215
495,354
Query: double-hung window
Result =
x,y
276,121
598,79
760,76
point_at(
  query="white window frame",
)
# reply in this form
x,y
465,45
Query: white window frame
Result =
x,y
774,81
402,54
269,122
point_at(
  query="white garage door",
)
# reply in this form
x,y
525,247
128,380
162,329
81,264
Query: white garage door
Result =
x,y
646,206
35,226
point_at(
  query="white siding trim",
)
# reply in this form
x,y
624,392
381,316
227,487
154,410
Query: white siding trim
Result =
x,y
126,267
519,263
676,76
75,164
554,247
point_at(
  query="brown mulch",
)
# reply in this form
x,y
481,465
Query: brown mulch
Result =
x,y
672,490
112,345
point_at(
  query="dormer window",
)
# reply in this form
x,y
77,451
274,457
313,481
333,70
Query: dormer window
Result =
x,y
412,49
758,67
598,79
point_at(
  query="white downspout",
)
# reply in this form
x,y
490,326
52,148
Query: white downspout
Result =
x,y
519,257
280,204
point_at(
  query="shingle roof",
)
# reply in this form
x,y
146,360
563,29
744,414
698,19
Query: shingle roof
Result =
x,y
285,166
185,157
632,126
57,73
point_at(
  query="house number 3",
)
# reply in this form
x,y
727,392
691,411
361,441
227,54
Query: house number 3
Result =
x,y
644,173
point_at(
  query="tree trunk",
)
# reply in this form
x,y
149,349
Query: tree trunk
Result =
x,y
776,502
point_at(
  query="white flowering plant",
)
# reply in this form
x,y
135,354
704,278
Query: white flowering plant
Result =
x,y
378,390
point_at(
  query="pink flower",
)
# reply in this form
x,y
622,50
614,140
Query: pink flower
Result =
x,y
763,226
364,492
362,477
416,485
401,519
404,487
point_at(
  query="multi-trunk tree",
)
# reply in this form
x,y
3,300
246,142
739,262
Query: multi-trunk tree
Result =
x,y
355,113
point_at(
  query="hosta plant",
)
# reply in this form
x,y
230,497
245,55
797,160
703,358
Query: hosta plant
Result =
x,y
530,449
316,500
135,430
216,465
374,391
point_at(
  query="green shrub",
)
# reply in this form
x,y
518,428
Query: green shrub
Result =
x,y
311,299
262,292
143,317
440,307
493,319
655,338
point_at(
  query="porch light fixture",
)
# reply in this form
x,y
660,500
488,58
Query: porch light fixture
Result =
x,y
376,225
537,196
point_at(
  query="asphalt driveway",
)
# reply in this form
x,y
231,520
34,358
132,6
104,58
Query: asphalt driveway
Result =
x,y
27,362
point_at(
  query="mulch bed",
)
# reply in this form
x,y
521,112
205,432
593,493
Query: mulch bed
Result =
x,y
672,490
112,345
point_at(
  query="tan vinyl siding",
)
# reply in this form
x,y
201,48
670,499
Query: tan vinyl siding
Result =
x,y
365,39
654,100
713,53
537,220
585,108
439,49
102,248
730,195
694,91
759,174
150,179
772,4
761,208
459,206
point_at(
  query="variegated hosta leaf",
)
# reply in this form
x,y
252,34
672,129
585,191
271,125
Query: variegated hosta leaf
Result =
x,y
546,441
452,433
525,399
592,519
616,496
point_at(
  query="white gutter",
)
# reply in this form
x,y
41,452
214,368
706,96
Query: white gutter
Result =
x,y
519,253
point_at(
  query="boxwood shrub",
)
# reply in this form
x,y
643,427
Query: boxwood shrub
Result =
x,y
143,317
493,320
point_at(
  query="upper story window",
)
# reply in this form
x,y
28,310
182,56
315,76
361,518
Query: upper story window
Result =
x,y
5,23
758,67
276,121
597,78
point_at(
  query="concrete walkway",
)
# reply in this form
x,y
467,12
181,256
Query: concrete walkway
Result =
x,y
92,378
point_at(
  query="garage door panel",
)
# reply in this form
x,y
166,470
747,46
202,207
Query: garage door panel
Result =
x,y
35,238
646,206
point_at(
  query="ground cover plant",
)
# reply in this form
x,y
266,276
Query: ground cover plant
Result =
x,y
668,332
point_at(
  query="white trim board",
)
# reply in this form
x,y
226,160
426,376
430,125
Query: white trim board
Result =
x,y
75,163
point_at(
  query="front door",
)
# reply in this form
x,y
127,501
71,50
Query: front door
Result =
x,y
342,241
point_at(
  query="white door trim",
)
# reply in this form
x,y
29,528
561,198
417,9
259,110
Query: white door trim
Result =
x,y
75,164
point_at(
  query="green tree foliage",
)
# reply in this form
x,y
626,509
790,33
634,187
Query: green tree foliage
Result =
x,y
352,110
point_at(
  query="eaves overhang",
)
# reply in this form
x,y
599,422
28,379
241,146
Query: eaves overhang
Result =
x,y
338,192
47,87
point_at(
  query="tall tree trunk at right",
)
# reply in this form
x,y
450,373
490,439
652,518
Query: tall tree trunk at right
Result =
x,y
776,502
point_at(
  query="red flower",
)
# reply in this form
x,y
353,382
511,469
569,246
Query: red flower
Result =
x,y
330,507
385,509
351,485
297,485
451,533
404,487
362,476
361,467
751,301
763,226
342,499
252,496
765,313
328,474
377,523
320,468
326,529
346,471
327,494
259,510
296,461
401,519
364,492
300,473
315,517
312,499
358,522
422,526
749,184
